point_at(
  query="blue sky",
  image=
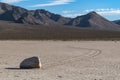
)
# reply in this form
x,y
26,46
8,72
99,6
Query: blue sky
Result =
x,y
72,8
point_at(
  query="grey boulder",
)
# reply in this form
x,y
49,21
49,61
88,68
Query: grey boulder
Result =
x,y
29,63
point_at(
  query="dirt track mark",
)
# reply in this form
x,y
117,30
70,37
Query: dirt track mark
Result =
x,y
92,53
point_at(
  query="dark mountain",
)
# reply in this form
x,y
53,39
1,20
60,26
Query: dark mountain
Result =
x,y
91,20
10,13
28,18
35,17
117,22
21,15
42,17
94,21
54,17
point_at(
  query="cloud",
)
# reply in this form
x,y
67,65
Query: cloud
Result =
x,y
105,11
67,11
113,12
101,11
10,1
72,15
54,3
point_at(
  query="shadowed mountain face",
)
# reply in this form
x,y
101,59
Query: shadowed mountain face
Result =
x,y
21,15
117,22
54,17
91,20
10,13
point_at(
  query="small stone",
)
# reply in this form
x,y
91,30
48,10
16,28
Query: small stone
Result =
x,y
29,63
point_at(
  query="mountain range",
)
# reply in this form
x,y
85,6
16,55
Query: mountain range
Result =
x,y
13,17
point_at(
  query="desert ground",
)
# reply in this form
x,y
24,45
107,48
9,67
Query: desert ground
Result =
x,y
61,60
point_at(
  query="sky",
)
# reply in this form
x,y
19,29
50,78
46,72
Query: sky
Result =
x,y
109,9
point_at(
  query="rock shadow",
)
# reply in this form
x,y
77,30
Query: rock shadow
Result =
x,y
11,68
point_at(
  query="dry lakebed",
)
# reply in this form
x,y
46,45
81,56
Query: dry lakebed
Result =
x,y
61,60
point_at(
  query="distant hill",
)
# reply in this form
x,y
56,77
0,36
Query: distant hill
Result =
x,y
93,20
117,22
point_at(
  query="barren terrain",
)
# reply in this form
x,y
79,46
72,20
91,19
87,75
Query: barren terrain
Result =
x,y
61,60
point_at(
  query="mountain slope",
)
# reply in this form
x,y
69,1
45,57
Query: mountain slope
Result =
x,y
10,13
94,21
21,15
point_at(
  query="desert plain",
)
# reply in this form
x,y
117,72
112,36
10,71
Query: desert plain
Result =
x,y
61,60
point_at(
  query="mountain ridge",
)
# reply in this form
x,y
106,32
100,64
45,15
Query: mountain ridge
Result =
x,y
18,14
17,23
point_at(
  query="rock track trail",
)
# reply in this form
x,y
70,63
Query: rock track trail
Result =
x,y
90,54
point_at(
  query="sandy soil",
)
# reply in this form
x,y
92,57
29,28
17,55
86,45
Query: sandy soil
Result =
x,y
62,60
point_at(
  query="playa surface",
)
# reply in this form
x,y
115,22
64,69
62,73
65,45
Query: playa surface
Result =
x,y
61,60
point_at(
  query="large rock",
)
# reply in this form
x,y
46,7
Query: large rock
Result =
x,y
29,63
